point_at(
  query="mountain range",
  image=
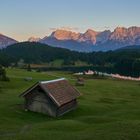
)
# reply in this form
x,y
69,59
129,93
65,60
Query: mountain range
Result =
x,y
86,42
94,41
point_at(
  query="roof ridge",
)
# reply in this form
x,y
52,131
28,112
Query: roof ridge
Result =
x,y
51,81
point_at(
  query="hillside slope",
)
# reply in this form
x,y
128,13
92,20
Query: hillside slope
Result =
x,y
6,41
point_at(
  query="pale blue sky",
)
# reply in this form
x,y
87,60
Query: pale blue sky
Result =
x,y
21,19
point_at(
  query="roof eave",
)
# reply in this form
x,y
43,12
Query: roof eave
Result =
x,y
28,90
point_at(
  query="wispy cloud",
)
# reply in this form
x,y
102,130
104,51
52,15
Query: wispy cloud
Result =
x,y
75,29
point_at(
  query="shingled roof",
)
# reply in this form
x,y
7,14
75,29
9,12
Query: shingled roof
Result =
x,y
59,90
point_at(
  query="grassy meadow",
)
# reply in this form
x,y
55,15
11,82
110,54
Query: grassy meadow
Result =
x,y
108,109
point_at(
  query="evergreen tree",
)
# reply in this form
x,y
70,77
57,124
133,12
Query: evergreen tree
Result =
x,y
29,67
3,76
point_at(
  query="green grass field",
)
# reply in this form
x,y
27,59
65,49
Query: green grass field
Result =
x,y
108,110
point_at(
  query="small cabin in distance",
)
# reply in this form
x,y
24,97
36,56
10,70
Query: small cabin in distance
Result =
x,y
54,98
80,81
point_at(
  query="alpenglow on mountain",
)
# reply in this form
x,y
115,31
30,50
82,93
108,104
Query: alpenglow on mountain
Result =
x,y
89,41
94,41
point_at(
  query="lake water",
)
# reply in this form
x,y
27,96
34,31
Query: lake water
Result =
x,y
108,70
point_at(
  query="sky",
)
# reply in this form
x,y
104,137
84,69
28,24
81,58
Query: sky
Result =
x,y
21,19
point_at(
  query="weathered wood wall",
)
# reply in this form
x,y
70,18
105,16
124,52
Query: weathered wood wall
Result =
x,y
37,101
67,107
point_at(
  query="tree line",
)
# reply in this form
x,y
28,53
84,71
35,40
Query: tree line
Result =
x,y
39,53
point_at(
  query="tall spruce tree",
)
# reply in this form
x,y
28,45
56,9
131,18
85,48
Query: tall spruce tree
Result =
x,y
3,76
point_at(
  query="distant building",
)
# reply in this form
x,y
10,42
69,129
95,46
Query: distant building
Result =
x,y
53,98
80,82
89,72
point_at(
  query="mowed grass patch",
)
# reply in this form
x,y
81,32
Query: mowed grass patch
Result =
x,y
108,109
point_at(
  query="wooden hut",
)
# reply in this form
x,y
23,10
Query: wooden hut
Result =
x,y
53,98
80,81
